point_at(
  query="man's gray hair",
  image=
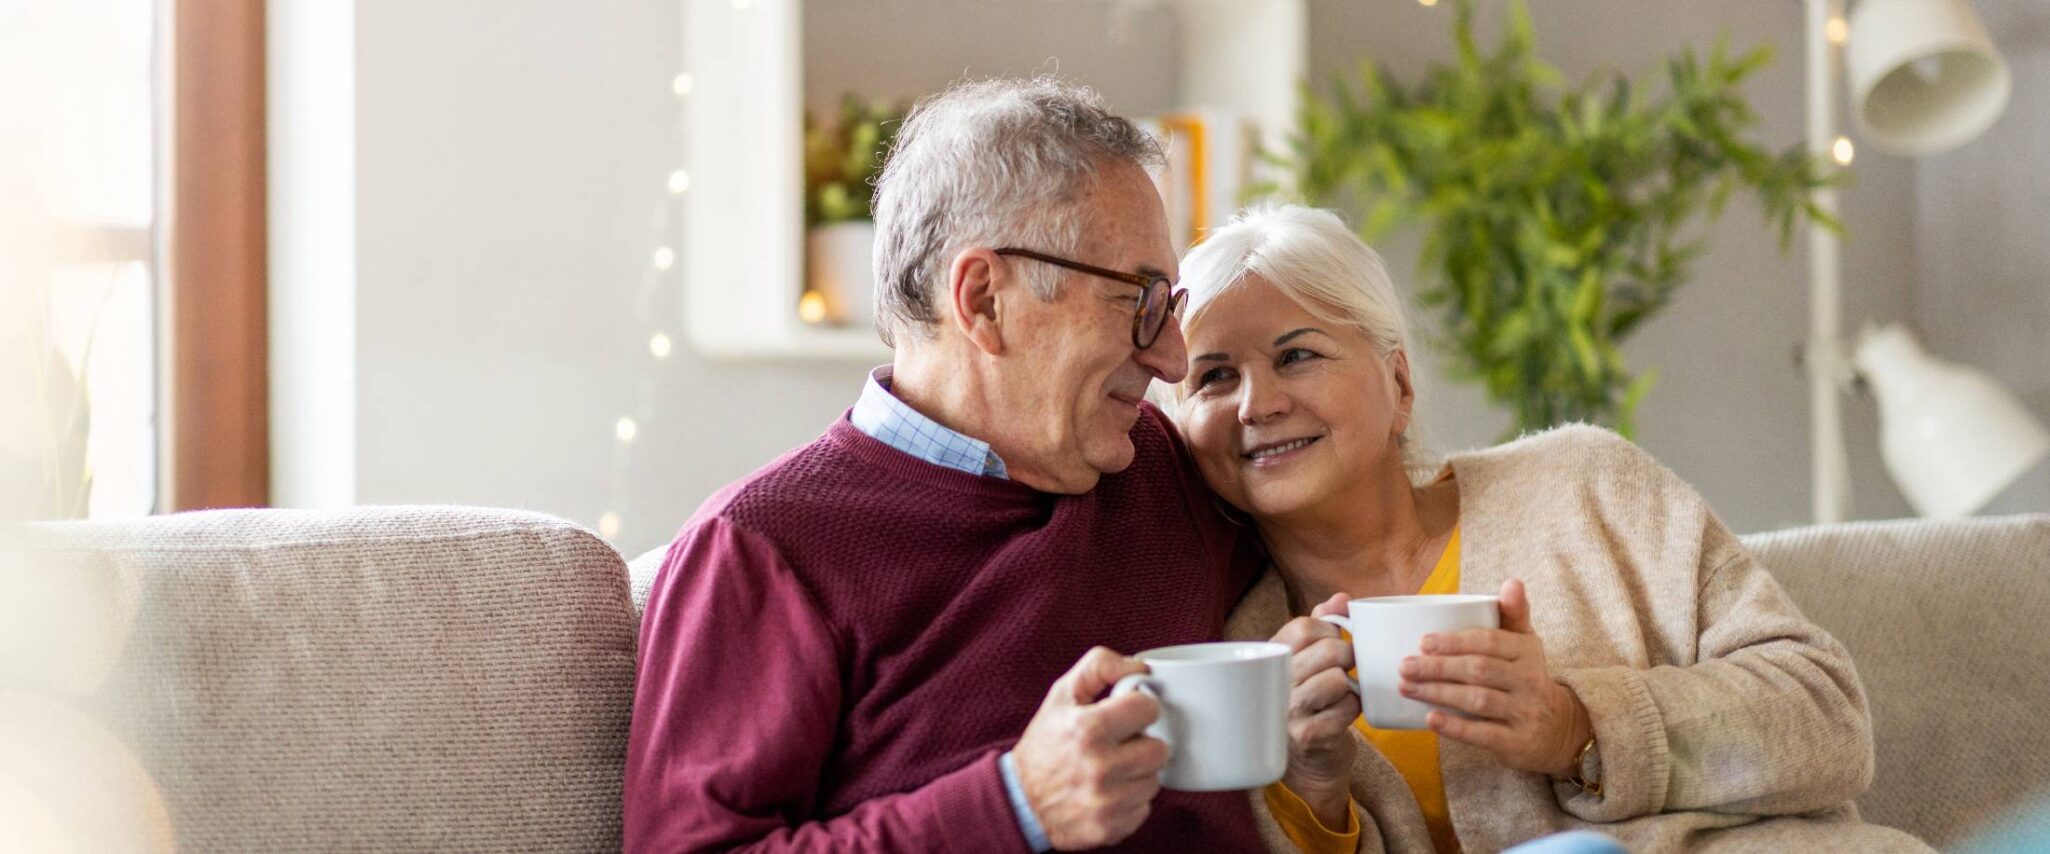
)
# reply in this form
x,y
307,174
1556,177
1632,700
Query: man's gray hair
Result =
x,y
990,163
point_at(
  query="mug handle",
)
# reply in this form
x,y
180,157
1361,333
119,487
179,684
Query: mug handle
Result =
x,y
1144,683
1345,623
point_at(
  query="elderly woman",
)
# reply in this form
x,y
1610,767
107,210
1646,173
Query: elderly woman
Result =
x,y
1650,680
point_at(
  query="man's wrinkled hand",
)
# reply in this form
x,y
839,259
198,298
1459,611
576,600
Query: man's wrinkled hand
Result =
x,y
1087,768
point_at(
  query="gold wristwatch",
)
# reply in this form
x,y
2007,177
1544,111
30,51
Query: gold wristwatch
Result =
x,y
1588,773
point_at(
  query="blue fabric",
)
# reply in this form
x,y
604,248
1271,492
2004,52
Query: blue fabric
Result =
x,y
2027,829
1571,842
893,422
1035,836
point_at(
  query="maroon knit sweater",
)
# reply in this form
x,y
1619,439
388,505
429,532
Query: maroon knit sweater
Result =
x,y
839,646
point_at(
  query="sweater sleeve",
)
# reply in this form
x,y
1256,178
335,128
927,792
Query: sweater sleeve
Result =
x,y
735,712
1769,718
1302,827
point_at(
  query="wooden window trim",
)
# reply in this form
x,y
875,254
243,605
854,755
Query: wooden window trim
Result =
x,y
218,398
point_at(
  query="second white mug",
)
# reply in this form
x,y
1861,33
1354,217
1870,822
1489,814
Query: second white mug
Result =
x,y
1387,629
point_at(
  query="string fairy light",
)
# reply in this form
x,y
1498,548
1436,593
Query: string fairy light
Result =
x,y
652,301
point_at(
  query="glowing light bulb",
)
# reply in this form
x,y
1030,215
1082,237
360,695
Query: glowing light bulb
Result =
x,y
679,181
683,83
658,345
608,525
1837,30
1841,151
626,429
664,258
1428,2
811,308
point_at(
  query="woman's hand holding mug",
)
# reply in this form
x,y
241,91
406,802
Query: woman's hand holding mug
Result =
x,y
1321,709
1498,678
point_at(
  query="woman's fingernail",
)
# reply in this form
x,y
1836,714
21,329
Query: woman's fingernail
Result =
x,y
1430,643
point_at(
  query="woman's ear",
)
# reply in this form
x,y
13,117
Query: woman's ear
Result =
x,y
1398,367
973,283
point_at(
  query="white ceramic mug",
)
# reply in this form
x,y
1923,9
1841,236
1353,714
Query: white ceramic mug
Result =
x,y
1223,712
1387,629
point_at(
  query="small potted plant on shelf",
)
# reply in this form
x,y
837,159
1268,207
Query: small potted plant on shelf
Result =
x,y
841,161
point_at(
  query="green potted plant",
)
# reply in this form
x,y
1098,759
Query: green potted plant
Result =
x,y
1556,218
841,161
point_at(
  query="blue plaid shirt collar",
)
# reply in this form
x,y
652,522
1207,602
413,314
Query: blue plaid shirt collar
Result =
x,y
880,414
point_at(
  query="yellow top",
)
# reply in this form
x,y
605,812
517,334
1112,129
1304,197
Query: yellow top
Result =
x,y
1414,753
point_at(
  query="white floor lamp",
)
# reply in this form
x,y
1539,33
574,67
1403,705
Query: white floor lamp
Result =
x,y
1923,77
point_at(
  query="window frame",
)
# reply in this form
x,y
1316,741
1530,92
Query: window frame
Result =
x,y
214,314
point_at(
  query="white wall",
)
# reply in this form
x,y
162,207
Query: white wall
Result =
x,y
311,186
511,165
889,48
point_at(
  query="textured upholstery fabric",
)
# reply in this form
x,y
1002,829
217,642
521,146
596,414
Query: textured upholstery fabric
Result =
x,y
640,573
1946,624
368,679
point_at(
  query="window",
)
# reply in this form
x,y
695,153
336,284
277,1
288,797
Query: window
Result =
x,y
83,158
132,256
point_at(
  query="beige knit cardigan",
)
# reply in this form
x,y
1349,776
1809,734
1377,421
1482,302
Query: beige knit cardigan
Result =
x,y
1723,719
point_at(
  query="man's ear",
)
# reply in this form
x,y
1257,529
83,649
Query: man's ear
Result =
x,y
974,282
1398,365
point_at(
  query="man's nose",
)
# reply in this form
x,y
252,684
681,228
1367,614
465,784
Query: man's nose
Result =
x,y
1168,358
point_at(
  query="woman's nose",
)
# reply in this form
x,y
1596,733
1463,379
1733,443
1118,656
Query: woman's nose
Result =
x,y
1261,399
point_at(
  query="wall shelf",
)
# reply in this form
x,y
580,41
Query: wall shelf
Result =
x,y
742,241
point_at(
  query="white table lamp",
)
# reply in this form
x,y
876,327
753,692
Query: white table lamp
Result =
x,y
1923,78
1951,436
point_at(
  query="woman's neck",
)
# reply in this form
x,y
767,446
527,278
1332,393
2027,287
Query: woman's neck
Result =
x,y
1381,538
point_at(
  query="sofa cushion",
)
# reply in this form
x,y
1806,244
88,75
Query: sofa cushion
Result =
x,y
1944,620
388,678
641,572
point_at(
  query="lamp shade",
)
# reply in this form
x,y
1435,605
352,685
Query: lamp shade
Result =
x,y
1924,77
1952,437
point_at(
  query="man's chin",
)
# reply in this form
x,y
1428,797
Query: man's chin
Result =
x,y
1111,457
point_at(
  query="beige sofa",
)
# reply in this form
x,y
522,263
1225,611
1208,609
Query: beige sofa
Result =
x,y
455,678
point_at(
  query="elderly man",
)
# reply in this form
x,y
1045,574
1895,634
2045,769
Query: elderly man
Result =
x,y
852,648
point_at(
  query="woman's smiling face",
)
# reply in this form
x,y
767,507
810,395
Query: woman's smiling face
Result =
x,y
1285,409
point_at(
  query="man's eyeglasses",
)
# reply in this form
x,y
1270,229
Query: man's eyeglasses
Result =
x,y
1158,303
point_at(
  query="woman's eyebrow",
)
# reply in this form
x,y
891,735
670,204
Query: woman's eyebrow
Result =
x,y
1286,337
1290,336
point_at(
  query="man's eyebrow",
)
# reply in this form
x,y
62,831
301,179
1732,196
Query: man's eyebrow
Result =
x,y
1150,270
1212,357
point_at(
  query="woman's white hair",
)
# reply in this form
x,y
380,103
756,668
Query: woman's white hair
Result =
x,y
990,163
1314,259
